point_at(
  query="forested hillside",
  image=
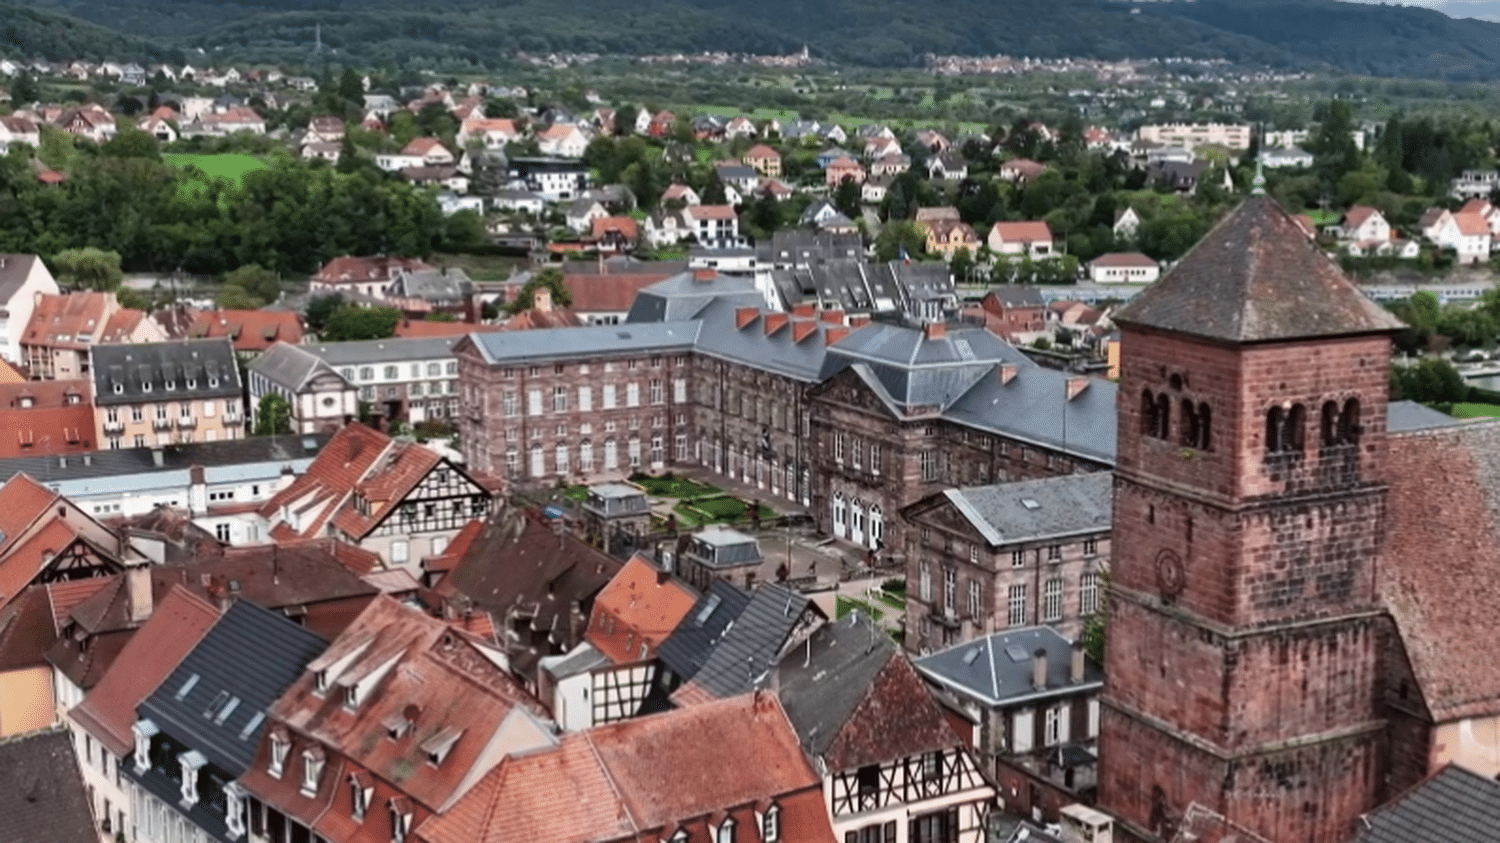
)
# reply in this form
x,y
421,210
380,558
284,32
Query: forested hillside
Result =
x,y
1372,39
30,32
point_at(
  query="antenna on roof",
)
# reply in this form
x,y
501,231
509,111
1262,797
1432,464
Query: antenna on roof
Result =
x,y
1258,185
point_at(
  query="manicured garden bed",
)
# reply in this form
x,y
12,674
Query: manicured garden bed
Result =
x,y
842,606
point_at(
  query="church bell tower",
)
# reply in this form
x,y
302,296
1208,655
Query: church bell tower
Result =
x,y
1248,518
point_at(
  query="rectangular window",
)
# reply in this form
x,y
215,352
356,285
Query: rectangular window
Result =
x,y
1054,552
534,402
399,551
856,453
840,445
585,399
632,394
1090,547
679,390
1052,600
508,404
924,581
1017,558
559,399
609,396
874,458
1016,607
950,590
657,394
1088,594
135,413
976,600
929,466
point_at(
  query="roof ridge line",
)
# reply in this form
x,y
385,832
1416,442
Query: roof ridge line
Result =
x,y
609,779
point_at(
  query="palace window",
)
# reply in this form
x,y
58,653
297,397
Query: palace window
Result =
x,y
976,600
1088,594
1016,605
1052,600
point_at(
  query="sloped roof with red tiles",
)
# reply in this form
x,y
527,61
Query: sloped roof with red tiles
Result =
x,y
59,319
122,325
637,611
532,319
26,630
642,779
24,560
1474,206
762,152
1357,215
710,212
388,481
329,480
366,269
50,425
422,146
22,502
9,373
421,674
250,330
484,124
624,226
1026,231
177,623
1124,260
605,293
1431,216
1437,570
410,328
1471,225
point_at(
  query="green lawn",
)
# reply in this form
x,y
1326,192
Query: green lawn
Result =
x,y
1324,217
1476,411
671,486
844,605
231,166
577,492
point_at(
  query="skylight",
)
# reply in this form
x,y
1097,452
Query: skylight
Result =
x,y
228,709
254,723
186,688
1017,653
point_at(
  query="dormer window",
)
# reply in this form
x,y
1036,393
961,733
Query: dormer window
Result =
x,y
191,762
770,825
351,697
26,403
213,383
119,388
145,386
279,748
320,682
312,768
360,791
725,832
438,746
192,383
400,820
170,384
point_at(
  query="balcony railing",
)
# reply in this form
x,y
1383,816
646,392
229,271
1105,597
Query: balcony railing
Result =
x,y
162,423
114,426
187,422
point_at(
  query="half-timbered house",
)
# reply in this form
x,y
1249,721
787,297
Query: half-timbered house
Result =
x,y
399,500
632,616
894,770
44,538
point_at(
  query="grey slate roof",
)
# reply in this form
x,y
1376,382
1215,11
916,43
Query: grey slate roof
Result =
x,y
822,681
289,366
13,272
41,791
1034,407
748,649
861,287
384,351
722,547
696,635
125,461
1256,277
683,296
250,654
582,659
913,372
1037,509
433,285
1454,806
630,338
144,370
807,360
790,246
996,670
1402,416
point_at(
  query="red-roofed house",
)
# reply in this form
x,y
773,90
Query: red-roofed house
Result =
x,y
394,723
632,616
730,771
107,714
252,331
765,159
715,226
565,140
56,341
430,150
946,237
398,499
844,168
1031,237
491,134
44,538
615,234
46,418
1124,267
368,276
661,124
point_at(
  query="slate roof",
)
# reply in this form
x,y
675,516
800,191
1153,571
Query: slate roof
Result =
x,y
1256,277
854,699
384,351
42,799
747,651
684,296
857,286
695,637
251,655
107,464
289,366
590,341
177,624
1402,416
1034,407
195,369
996,670
14,269
1033,510
1454,805
719,546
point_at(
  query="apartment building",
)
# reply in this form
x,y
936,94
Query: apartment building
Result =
x,y
409,380
160,393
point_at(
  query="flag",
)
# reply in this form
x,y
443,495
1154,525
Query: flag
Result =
x,y
905,258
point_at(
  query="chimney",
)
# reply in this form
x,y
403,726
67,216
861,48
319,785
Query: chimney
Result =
x,y
804,310
1077,384
744,316
832,317
834,334
156,457
662,577
541,300
1039,669
936,330
1075,672
138,591
859,320
1007,372
703,276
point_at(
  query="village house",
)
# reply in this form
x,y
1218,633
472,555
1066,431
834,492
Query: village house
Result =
x,y
367,275
47,418
318,399
159,393
765,159
407,380
24,280
251,331
843,168
1031,239
63,329
565,140
1124,267
945,237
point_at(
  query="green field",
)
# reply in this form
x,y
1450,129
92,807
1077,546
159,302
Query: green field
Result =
x,y
1476,411
229,166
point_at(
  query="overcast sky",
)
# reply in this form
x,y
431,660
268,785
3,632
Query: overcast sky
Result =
x,y
1482,9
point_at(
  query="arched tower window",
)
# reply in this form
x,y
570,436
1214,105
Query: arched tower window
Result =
x,y
1292,431
1275,419
1329,425
1349,426
1163,417
1205,427
1187,428
1148,413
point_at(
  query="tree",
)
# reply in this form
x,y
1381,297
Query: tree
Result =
x,y
273,416
1430,380
352,87
552,279
846,197
24,90
253,284
352,322
962,265
321,308
88,269
896,235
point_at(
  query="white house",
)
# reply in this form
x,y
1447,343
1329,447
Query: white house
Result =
x,y
319,399
1124,267
564,140
1030,237
22,279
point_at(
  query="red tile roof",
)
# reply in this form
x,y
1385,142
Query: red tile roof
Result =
x,y
637,611
408,328
1029,231
761,152
390,480
355,270
122,325
409,668
328,482
50,425
642,779
1124,259
250,330
58,320
175,627
625,226
22,502
1471,225
711,212
1356,216
593,293
422,146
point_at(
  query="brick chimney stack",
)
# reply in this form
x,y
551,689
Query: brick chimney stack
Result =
x,y
1039,669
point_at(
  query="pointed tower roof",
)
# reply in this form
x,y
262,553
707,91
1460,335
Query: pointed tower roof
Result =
x,y
1256,277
